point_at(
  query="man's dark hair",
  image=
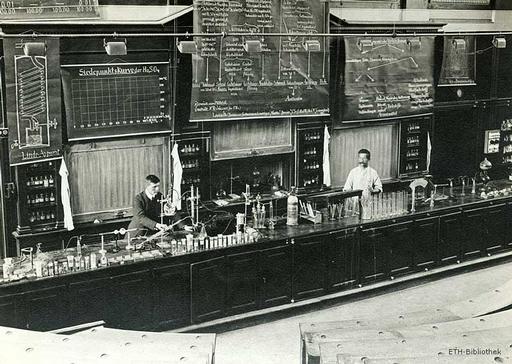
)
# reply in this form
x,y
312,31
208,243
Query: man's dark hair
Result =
x,y
152,178
365,151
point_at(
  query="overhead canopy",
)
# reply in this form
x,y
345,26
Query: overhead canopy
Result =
x,y
446,20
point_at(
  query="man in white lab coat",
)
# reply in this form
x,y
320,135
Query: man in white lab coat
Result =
x,y
363,177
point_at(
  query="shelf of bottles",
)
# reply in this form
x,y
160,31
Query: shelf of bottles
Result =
x,y
195,163
38,196
413,145
506,141
310,143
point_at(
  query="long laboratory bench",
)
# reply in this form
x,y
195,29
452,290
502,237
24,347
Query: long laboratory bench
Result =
x,y
285,265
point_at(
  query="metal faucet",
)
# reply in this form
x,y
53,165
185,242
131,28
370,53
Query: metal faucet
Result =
x,y
463,183
450,180
463,180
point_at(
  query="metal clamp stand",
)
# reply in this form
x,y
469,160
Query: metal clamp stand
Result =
x,y
194,206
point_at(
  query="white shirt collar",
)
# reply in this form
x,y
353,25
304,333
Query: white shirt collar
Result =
x,y
149,195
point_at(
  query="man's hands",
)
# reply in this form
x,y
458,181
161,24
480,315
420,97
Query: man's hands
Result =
x,y
161,226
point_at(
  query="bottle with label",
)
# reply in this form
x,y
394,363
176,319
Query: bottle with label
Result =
x,y
255,178
292,209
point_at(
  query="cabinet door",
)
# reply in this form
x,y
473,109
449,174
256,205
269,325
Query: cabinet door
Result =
x,y
401,248
342,260
450,237
276,274
8,313
309,267
132,300
90,301
46,308
172,295
373,255
508,239
244,282
426,234
208,289
473,225
497,226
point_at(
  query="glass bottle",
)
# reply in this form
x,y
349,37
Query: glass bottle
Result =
x,y
292,209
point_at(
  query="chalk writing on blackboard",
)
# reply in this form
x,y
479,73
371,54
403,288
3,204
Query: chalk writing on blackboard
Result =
x,y
387,77
255,75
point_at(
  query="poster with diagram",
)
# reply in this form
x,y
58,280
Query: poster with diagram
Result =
x,y
459,61
33,99
388,77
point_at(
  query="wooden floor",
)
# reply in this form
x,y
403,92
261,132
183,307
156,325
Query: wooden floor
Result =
x,y
277,342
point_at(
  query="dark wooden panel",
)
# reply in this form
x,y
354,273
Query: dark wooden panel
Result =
x,y
208,289
132,300
426,232
90,301
509,237
8,312
309,267
373,255
454,143
450,238
504,71
276,273
401,248
172,295
342,260
46,309
244,282
473,225
497,220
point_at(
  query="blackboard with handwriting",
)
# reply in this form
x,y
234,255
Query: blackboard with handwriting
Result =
x,y
48,9
253,75
113,100
388,77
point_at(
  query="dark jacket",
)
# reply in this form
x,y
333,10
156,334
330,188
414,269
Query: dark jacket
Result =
x,y
146,213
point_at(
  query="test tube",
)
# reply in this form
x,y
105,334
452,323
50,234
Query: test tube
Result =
x,y
387,204
394,204
355,210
